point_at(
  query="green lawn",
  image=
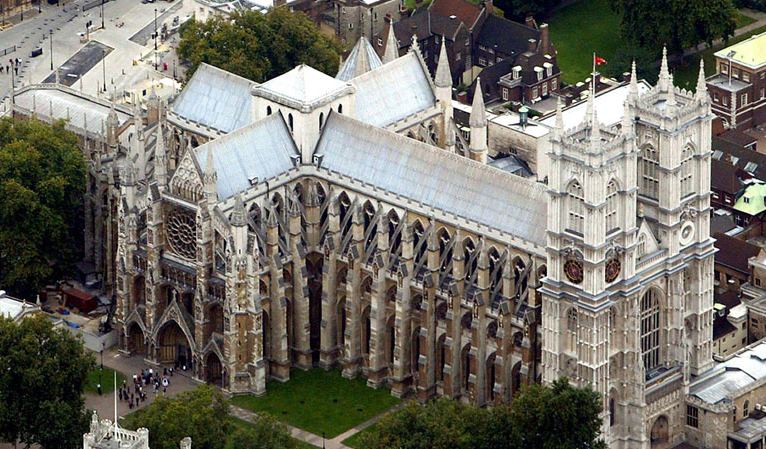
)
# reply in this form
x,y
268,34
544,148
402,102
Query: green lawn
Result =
x,y
300,444
355,440
106,378
320,401
743,20
685,75
580,29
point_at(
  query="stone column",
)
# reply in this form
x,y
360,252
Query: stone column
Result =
x,y
313,217
452,384
427,381
330,320
154,243
301,318
481,300
378,358
280,355
352,351
403,356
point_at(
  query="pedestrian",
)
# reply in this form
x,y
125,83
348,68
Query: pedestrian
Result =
x,y
164,390
1,69
130,404
164,371
120,393
165,382
171,371
98,388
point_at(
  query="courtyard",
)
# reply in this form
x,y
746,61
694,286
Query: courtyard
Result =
x,y
320,402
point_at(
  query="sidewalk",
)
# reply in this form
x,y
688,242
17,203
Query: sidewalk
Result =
x,y
18,15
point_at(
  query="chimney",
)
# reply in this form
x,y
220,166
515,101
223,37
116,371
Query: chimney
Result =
x,y
489,6
532,45
530,22
545,41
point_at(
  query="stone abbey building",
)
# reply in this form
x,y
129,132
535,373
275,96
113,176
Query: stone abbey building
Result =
x,y
318,221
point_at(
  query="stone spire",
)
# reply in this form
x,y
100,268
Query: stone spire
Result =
x,y
160,159
239,214
415,47
701,95
633,88
443,76
595,129
392,45
627,119
449,137
664,78
559,128
478,116
111,126
478,122
210,178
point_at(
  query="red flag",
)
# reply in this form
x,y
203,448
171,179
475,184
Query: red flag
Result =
x,y
599,60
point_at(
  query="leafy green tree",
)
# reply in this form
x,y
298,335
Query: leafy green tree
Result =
x,y
42,182
42,373
623,58
518,10
201,414
258,46
265,433
678,24
557,417
441,424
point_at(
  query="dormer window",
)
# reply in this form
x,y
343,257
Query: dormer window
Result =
x,y
539,73
548,68
516,72
746,200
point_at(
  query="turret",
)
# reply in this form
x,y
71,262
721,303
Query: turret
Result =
x,y
701,94
112,123
478,122
160,159
238,223
392,45
210,179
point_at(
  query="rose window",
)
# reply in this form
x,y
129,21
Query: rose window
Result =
x,y
182,234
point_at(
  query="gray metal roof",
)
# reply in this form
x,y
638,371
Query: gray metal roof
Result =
x,y
393,91
435,177
215,98
256,152
303,86
58,103
720,382
362,59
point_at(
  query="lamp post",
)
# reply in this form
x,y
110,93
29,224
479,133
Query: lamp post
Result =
x,y
102,14
155,31
103,67
51,39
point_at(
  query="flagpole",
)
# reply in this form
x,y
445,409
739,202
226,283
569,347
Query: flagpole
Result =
x,y
115,405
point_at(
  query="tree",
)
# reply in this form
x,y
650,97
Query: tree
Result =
x,y
518,10
201,414
42,182
42,373
557,417
258,46
265,433
678,24
623,58
441,424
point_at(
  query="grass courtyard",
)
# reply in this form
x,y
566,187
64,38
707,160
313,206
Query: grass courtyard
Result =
x,y
320,401
106,378
580,29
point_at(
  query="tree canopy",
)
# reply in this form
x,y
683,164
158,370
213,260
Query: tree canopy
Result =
x,y
42,182
42,373
678,24
201,414
258,46
265,433
518,10
556,417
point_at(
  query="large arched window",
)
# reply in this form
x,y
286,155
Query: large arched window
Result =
x,y
650,329
648,175
612,206
576,207
687,172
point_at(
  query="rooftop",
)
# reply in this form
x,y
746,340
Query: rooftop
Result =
x,y
726,379
750,52
734,253
303,85
727,83
753,200
361,59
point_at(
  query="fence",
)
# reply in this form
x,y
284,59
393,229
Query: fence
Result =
x,y
8,50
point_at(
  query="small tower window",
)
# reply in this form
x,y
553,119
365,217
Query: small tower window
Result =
x,y
612,204
687,172
290,121
576,206
321,120
340,109
268,110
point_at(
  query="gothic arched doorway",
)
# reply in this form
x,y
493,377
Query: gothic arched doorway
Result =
x,y
214,370
136,339
174,347
659,434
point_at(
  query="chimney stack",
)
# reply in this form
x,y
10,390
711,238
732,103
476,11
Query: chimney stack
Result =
x,y
532,45
545,40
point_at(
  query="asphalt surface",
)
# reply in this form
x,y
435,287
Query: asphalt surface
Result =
x,y
79,64
142,37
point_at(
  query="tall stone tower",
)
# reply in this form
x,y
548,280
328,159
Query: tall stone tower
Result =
x,y
627,304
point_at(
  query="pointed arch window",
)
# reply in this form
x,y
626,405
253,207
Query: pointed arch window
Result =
x,y
612,206
650,329
648,175
687,172
641,246
571,333
576,207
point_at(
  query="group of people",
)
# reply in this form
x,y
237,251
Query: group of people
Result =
x,y
135,395
13,64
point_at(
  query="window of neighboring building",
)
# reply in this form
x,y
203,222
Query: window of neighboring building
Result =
x,y
648,172
745,76
650,329
692,416
458,56
505,94
735,73
554,84
725,100
545,89
757,283
724,68
763,93
763,75
482,62
576,206
534,93
716,98
746,409
380,42
743,99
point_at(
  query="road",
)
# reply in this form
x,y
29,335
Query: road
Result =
x,y
122,20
